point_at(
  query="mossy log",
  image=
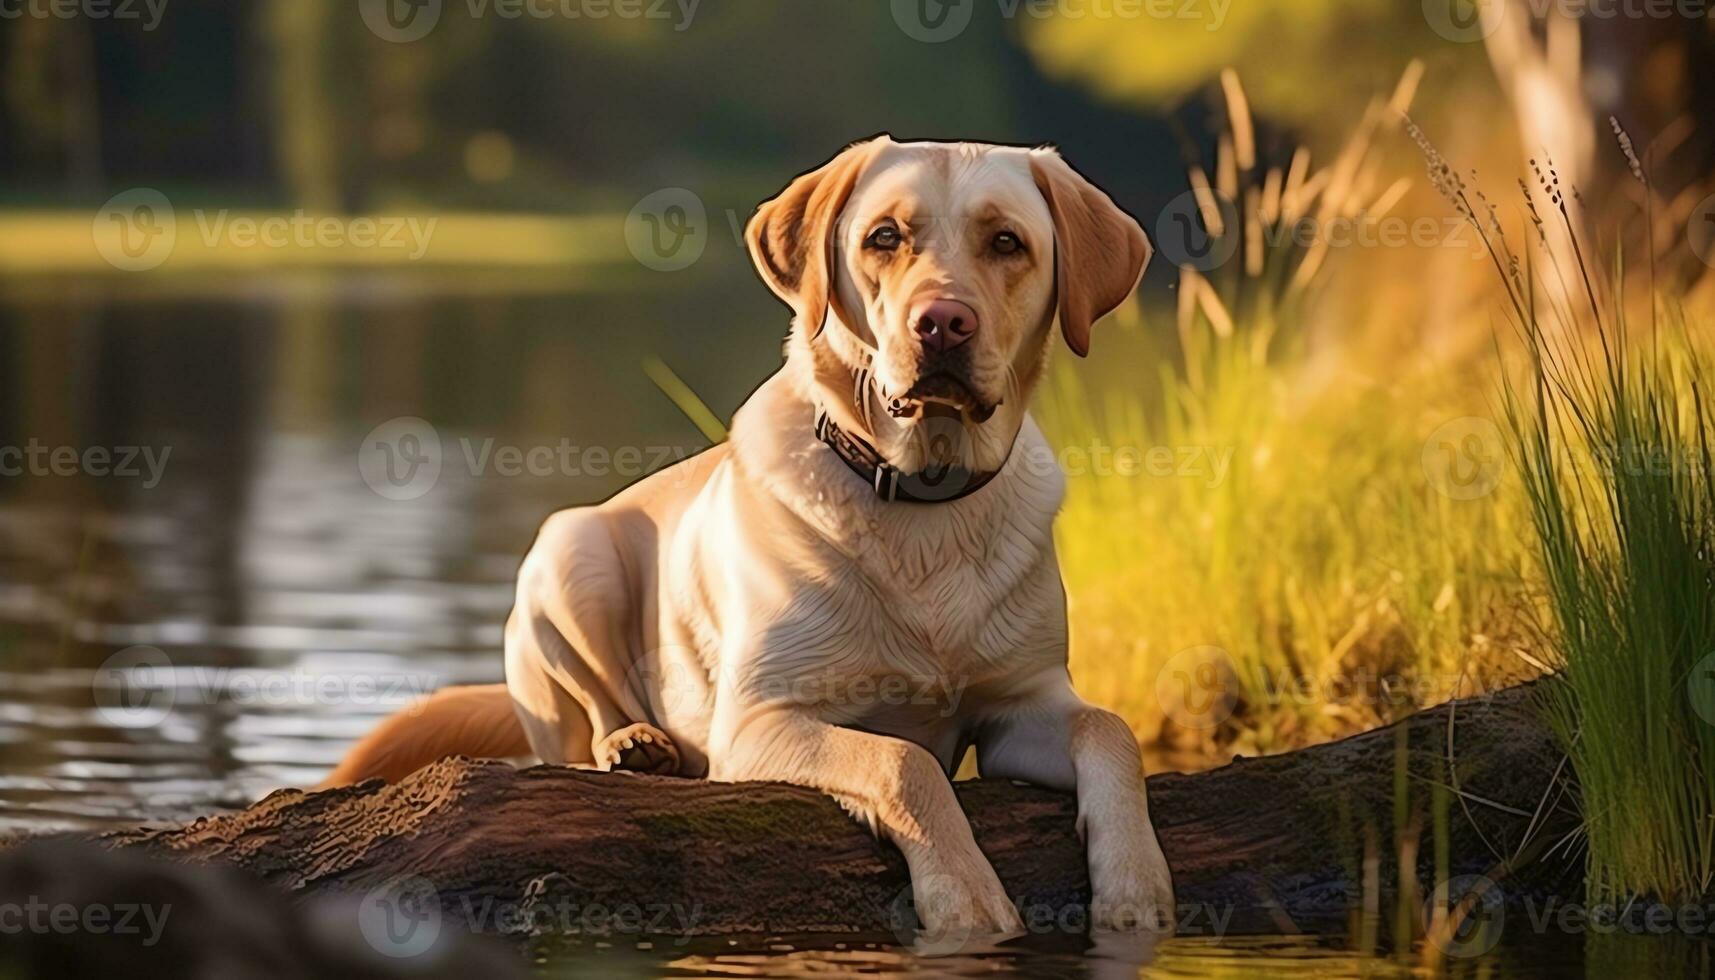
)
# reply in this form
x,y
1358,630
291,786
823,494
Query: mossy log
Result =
x,y
1295,842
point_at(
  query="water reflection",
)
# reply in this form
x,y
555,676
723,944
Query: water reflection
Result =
x,y
1066,959
291,604
321,607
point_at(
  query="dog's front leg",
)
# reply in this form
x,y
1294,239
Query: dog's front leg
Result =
x,y
899,789
1061,742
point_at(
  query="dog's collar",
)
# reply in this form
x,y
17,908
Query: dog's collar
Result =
x,y
932,486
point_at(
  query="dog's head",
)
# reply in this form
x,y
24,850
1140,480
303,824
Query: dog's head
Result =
x,y
941,268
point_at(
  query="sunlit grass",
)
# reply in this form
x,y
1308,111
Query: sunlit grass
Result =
x,y
1360,553
1613,429
1614,444
1376,538
1327,581
685,399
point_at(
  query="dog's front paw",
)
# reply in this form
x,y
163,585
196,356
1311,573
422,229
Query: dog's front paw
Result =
x,y
953,911
1141,913
1137,896
638,748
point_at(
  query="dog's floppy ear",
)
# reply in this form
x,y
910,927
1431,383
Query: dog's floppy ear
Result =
x,y
793,237
1099,250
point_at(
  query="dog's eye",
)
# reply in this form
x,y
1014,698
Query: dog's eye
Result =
x,y
1006,243
886,238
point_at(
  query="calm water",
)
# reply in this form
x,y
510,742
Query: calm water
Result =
x,y
1114,958
242,558
278,597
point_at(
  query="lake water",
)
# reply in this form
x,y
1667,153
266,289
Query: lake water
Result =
x,y
1118,958
224,537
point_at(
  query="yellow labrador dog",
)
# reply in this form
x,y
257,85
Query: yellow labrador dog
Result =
x,y
861,583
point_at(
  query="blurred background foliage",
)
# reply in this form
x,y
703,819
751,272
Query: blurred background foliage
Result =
x,y
1287,50
296,102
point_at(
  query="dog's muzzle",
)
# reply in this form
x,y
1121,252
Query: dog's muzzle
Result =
x,y
941,393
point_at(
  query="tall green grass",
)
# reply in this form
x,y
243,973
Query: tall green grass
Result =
x,y
1324,575
1612,428
1319,582
1613,441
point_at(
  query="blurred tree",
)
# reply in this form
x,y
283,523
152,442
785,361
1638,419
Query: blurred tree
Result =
x,y
50,94
1303,62
298,101
308,158
1508,80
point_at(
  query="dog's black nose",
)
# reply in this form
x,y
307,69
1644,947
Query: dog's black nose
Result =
x,y
943,324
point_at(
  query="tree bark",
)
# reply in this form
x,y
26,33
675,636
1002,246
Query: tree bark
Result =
x,y
1296,842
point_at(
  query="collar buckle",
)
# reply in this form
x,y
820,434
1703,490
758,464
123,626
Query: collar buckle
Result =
x,y
884,478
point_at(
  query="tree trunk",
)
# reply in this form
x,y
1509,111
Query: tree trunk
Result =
x,y
1301,841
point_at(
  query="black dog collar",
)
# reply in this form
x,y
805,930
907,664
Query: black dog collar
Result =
x,y
931,486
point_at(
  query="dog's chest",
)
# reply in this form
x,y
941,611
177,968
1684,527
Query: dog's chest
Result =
x,y
896,618
918,658
973,601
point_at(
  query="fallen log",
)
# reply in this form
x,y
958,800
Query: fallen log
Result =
x,y
1293,842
